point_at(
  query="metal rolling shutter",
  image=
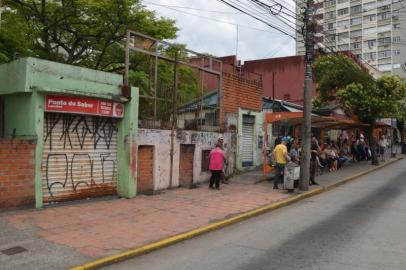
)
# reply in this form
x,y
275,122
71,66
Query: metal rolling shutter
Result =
x,y
247,153
79,157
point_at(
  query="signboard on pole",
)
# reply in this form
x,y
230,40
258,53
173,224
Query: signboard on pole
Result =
x,y
84,105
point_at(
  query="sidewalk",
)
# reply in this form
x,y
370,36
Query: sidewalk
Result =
x,y
64,236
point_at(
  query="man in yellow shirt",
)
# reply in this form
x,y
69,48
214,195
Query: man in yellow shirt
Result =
x,y
281,157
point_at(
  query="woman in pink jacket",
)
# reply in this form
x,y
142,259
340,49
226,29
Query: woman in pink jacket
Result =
x,y
217,158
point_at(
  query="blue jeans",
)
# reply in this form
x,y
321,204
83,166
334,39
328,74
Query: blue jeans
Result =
x,y
279,170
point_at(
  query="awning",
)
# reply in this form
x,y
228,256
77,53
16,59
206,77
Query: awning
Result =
x,y
318,121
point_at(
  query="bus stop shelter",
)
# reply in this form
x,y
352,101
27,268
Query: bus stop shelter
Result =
x,y
295,119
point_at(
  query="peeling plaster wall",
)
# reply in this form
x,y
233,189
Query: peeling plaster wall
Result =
x,y
161,140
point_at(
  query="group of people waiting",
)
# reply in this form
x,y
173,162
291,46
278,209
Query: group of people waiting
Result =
x,y
331,155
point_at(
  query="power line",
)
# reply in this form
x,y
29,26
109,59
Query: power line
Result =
x,y
257,18
254,9
220,21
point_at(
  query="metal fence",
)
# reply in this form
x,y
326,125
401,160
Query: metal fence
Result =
x,y
179,88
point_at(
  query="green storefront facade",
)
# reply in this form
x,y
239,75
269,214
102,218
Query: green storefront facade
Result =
x,y
84,127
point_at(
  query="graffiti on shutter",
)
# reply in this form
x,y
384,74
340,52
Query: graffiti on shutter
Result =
x,y
79,157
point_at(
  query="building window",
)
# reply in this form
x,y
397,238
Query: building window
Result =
x,y
344,23
356,21
330,26
384,3
369,6
331,38
205,160
384,54
356,45
356,33
329,3
370,43
370,56
331,15
396,52
384,15
355,10
384,67
396,25
342,1
342,11
396,39
342,36
369,18
369,31
384,28
384,41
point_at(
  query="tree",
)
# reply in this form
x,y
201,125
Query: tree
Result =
x,y
373,101
335,71
88,33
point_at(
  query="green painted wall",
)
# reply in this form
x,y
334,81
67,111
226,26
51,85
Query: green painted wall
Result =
x,y
257,159
29,74
24,85
13,77
19,115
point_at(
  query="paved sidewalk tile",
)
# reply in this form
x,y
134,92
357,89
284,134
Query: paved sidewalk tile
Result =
x,y
93,229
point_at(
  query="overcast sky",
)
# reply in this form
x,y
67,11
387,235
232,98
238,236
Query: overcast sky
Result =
x,y
208,26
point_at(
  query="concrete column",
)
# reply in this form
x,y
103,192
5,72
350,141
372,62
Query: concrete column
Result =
x,y
128,148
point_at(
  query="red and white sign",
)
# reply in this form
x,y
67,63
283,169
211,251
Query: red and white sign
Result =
x,y
66,104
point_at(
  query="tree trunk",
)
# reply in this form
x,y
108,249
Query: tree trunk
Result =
x,y
373,144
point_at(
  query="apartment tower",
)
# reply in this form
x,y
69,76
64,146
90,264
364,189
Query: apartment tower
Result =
x,y
374,31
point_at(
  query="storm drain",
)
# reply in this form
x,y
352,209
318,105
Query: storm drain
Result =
x,y
13,250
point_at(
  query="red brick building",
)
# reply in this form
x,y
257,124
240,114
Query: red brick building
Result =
x,y
288,73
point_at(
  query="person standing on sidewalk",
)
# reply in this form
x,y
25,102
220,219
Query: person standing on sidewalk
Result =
x,y
383,143
314,150
216,164
223,179
281,157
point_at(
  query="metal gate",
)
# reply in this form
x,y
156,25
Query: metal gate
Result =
x,y
79,157
247,152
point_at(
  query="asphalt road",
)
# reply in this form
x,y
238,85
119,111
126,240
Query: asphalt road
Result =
x,y
361,225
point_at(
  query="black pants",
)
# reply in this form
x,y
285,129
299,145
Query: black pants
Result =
x,y
215,178
313,164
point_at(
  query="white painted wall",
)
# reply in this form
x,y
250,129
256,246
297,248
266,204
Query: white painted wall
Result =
x,y
161,140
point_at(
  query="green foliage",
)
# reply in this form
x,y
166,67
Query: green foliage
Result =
x,y
334,72
316,103
82,32
374,101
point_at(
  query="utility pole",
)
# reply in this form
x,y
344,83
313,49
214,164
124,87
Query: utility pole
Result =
x,y
308,28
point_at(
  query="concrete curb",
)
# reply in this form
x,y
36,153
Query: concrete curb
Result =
x,y
97,264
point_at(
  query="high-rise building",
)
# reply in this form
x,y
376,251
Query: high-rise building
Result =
x,y
374,31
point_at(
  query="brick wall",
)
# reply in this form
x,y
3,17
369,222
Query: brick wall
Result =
x,y
17,172
240,92
145,180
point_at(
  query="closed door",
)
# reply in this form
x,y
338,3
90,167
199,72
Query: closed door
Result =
x,y
187,152
145,176
247,151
